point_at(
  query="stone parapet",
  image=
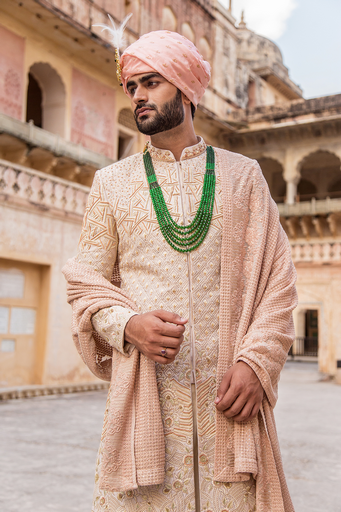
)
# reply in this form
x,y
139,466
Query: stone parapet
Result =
x,y
27,187
319,253
330,104
313,207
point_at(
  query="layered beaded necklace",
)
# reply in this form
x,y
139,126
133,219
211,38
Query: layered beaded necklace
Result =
x,y
183,238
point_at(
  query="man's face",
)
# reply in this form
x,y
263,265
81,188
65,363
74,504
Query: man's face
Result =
x,y
157,104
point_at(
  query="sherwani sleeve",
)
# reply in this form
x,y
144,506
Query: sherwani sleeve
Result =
x,y
98,249
271,332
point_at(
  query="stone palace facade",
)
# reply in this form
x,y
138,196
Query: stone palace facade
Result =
x,y
63,115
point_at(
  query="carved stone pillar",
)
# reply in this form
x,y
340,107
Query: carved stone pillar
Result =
x,y
291,191
291,174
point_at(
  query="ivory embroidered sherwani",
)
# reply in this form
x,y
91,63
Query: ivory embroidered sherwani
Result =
x,y
120,226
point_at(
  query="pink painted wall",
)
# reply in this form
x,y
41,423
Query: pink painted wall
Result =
x,y
92,114
12,49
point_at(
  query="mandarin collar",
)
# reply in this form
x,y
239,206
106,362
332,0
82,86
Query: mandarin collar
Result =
x,y
167,156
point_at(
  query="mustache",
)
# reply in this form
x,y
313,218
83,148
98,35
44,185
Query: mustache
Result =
x,y
145,105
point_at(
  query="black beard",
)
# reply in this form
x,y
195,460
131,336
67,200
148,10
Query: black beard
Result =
x,y
171,116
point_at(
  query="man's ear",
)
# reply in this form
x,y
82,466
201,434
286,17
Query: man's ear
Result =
x,y
185,99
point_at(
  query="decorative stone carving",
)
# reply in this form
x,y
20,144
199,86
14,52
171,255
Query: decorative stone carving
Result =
x,y
12,56
12,84
91,105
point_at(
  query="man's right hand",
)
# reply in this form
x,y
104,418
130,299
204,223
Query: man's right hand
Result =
x,y
153,333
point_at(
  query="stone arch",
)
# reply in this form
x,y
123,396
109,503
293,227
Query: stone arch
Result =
x,y
169,20
205,48
53,104
320,175
187,31
306,188
273,173
34,110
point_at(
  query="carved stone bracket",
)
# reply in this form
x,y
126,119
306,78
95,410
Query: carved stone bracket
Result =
x,y
318,224
310,227
332,222
292,226
306,226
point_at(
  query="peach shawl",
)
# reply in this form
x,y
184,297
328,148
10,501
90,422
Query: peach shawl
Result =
x,y
257,297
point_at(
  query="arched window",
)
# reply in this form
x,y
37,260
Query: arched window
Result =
x,y
334,189
320,176
127,134
34,110
273,173
307,333
205,49
46,99
306,190
187,31
169,21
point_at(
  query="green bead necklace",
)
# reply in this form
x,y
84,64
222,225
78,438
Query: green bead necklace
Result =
x,y
183,238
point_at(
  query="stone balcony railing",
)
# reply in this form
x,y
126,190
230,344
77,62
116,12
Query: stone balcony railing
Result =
x,y
313,207
318,253
312,221
27,187
313,228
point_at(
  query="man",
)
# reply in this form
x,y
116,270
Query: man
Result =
x,y
196,334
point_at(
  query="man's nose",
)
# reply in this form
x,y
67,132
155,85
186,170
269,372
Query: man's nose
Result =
x,y
140,94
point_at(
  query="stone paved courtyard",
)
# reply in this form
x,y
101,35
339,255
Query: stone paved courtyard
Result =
x,y
48,446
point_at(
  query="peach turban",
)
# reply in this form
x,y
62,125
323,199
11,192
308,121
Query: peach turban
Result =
x,y
171,55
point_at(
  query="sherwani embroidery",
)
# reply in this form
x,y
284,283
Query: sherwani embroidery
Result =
x,y
159,277
252,277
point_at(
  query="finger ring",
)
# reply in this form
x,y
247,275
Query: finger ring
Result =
x,y
164,352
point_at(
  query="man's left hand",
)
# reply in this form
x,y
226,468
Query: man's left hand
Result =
x,y
240,393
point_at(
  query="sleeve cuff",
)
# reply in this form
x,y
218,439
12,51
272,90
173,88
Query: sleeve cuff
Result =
x,y
110,324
